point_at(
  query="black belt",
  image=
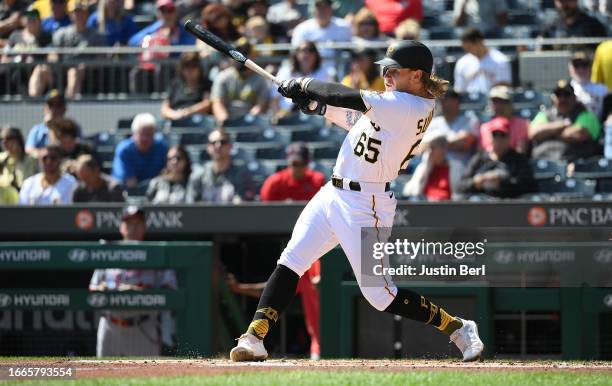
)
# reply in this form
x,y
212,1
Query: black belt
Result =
x,y
354,185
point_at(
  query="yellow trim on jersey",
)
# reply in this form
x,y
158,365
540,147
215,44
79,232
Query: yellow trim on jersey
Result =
x,y
378,238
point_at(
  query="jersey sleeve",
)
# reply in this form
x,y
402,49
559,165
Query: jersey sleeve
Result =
x,y
385,108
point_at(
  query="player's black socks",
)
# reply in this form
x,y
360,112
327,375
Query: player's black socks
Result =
x,y
411,305
276,296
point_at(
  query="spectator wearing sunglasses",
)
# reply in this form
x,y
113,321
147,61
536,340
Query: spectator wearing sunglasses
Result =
x,y
170,187
220,180
567,131
50,186
589,93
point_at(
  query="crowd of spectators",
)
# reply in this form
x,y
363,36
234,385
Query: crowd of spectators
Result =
x,y
461,154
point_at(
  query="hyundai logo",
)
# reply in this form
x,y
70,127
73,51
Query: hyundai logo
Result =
x,y
5,300
608,300
503,256
603,256
97,300
78,255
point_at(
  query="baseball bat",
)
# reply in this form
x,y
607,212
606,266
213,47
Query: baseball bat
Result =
x,y
218,44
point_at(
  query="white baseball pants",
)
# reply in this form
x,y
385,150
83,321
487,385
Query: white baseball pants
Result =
x,y
335,216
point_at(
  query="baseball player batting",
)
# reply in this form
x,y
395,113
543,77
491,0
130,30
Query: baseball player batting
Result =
x,y
384,129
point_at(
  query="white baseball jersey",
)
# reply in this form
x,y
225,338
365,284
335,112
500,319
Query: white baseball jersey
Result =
x,y
381,141
378,144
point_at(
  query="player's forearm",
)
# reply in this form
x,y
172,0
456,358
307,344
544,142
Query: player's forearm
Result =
x,y
335,94
342,117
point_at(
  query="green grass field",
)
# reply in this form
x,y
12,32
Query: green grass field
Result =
x,y
169,372
351,378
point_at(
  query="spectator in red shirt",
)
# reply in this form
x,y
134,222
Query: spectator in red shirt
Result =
x,y
298,182
437,176
501,103
390,13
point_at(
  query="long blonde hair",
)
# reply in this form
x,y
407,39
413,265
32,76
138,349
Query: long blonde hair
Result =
x,y
434,85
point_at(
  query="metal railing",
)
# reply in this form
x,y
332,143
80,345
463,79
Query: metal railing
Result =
x,y
145,73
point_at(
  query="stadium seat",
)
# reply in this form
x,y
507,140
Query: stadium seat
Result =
x,y
241,153
522,17
101,140
442,33
266,135
526,113
604,185
244,122
188,137
105,156
125,123
276,151
546,169
325,152
593,168
324,166
200,121
530,97
570,187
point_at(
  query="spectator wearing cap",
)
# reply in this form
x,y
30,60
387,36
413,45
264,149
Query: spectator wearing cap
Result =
x,y
323,27
95,186
51,186
297,182
500,172
566,131
481,67
390,13
437,176
15,164
170,187
364,74
220,180
589,93
462,129
237,91
189,92
166,30
486,15
59,17
366,28
572,22
602,64
304,61
500,99
30,37
75,35
129,333
142,156
10,15
55,107
113,22
64,134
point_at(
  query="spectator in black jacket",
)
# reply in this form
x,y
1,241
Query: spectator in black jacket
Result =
x,y
502,172
572,22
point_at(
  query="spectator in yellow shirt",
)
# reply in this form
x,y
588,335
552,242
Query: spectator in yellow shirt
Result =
x,y
602,64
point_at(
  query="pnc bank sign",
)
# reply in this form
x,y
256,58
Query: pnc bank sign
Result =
x,y
109,219
570,216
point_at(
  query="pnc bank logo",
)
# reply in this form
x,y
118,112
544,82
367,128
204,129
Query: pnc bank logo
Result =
x,y
537,216
84,219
